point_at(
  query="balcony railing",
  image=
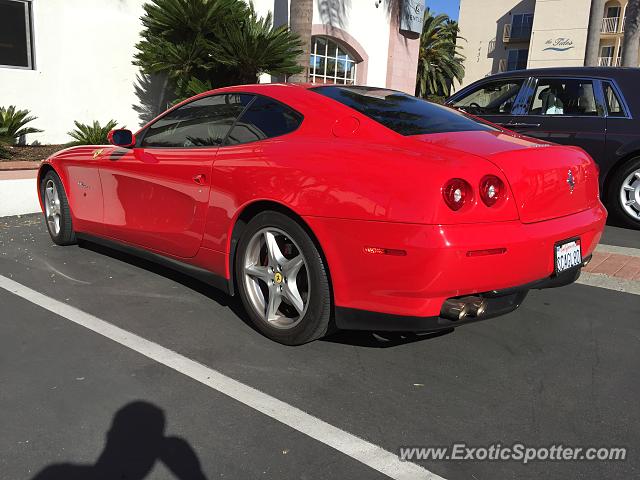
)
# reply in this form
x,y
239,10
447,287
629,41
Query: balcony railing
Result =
x,y
609,61
516,33
610,25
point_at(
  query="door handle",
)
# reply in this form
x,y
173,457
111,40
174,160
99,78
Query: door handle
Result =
x,y
200,179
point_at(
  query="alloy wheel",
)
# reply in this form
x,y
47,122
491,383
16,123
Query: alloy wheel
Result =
x,y
276,278
52,207
630,195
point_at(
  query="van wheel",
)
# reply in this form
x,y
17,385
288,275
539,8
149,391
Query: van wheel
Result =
x,y
624,194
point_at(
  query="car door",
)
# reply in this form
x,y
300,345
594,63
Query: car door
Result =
x,y
493,100
156,195
566,111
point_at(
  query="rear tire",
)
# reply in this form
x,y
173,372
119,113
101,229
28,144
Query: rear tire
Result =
x,y
623,197
282,280
56,210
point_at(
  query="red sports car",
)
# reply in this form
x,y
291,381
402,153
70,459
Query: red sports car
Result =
x,y
335,206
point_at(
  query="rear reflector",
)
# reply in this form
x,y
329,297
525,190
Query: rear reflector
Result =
x,y
489,251
384,251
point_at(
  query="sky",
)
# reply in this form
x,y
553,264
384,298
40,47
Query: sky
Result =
x,y
450,7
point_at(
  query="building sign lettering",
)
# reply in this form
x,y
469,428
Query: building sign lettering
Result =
x,y
412,16
559,44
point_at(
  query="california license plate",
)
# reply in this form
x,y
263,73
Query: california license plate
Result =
x,y
568,255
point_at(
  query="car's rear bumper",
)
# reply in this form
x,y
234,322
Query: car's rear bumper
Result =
x,y
497,303
437,266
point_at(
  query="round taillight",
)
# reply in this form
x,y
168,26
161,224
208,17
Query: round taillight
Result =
x,y
456,193
491,190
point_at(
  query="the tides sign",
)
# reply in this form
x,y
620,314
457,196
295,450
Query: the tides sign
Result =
x,y
559,44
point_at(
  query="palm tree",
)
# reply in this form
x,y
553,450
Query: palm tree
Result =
x,y
301,18
254,47
13,124
213,43
631,35
439,62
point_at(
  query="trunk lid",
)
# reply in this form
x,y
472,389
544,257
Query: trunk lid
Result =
x,y
547,180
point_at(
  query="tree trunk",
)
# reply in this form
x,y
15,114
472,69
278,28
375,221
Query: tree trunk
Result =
x,y
631,35
301,18
593,34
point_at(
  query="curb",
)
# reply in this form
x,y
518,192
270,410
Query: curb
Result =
x,y
19,165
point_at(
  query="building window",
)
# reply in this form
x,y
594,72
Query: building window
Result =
x,y
331,63
522,25
16,40
517,59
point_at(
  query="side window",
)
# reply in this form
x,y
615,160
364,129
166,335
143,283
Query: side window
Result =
x,y
494,98
202,123
265,118
614,105
557,96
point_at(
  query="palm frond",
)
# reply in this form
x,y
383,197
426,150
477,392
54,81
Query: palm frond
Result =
x,y
12,123
94,134
439,60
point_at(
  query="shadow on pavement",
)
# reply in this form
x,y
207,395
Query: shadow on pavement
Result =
x,y
381,339
192,283
135,442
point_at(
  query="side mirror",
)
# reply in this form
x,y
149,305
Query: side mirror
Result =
x,y
121,138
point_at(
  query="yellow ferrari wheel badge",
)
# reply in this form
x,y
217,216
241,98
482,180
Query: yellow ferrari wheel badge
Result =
x,y
278,277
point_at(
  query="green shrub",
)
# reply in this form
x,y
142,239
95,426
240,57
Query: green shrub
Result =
x,y
91,134
4,144
12,124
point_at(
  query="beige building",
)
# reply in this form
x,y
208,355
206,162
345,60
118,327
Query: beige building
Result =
x,y
504,35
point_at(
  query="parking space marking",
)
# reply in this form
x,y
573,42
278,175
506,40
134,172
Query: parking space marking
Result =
x,y
610,283
357,448
631,252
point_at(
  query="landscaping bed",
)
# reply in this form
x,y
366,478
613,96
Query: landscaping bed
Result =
x,y
31,153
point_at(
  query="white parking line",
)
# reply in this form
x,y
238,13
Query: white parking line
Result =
x,y
610,283
361,450
631,252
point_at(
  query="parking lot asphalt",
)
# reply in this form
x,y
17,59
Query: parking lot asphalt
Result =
x,y
563,369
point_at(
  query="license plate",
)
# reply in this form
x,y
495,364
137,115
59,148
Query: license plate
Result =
x,y
568,255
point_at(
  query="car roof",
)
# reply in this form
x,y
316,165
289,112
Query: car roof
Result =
x,y
605,72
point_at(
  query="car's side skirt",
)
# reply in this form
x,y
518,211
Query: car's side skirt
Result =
x,y
193,271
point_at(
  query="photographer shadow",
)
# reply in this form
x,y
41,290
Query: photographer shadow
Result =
x,y
135,442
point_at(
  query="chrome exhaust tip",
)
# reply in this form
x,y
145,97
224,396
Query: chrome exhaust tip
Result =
x,y
454,309
477,305
458,308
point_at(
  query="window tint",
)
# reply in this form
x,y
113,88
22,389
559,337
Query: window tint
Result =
x,y
564,97
400,112
265,118
202,123
614,105
15,34
494,98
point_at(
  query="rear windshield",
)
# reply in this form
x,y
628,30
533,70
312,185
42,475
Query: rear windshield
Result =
x,y
400,112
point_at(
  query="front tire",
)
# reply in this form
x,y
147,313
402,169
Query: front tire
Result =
x,y
282,280
56,210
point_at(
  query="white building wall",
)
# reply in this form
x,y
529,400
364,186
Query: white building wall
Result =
x,y
367,24
559,37
83,70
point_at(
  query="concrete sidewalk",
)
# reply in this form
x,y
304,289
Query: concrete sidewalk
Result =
x,y
18,192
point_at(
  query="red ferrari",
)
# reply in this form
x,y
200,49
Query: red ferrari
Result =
x,y
335,207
